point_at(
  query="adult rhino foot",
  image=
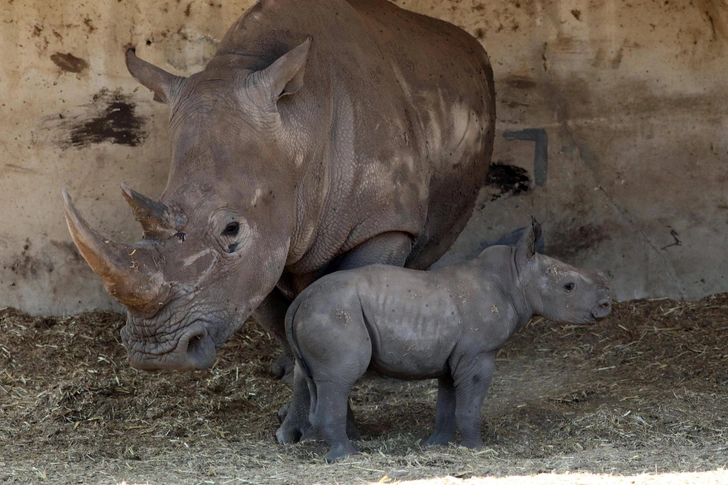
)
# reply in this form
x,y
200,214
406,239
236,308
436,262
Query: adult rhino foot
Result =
x,y
295,425
282,368
339,451
440,439
290,433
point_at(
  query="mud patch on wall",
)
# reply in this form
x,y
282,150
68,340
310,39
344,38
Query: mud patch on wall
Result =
x,y
568,242
26,266
520,82
69,62
69,250
197,51
717,16
505,180
109,118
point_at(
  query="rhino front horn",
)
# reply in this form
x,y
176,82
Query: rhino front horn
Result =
x,y
125,269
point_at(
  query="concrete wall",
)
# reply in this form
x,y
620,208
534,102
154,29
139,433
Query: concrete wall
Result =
x,y
612,123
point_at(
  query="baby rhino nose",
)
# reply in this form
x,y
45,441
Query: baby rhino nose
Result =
x,y
603,308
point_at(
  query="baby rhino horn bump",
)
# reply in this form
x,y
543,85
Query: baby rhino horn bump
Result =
x,y
156,218
124,269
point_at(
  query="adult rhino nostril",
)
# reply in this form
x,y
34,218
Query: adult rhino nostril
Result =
x,y
200,351
194,344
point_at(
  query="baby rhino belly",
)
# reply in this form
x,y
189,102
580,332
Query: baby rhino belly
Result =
x,y
412,341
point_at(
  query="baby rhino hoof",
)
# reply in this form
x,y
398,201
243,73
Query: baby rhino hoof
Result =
x,y
440,440
472,443
337,452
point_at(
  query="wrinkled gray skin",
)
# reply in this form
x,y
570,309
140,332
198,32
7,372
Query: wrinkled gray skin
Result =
x,y
323,135
446,324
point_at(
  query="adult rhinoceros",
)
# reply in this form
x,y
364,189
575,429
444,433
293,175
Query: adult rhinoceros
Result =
x,y
323,135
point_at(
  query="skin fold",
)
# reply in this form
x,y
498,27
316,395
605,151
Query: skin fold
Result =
x,y
446,324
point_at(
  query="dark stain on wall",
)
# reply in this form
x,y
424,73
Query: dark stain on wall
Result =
x,y
520,82
69,250
25,266
69,62
507,180
112,119
568,242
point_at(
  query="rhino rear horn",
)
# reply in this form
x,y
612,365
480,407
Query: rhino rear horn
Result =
x,y
157,219
126,270
164,85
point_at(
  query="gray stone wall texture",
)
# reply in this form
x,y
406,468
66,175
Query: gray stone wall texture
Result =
x,y
612,132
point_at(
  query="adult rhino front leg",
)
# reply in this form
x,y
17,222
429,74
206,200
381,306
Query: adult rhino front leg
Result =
x,y
270,315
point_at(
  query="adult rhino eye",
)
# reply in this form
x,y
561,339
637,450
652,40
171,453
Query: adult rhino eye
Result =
x,y
231,229
569,287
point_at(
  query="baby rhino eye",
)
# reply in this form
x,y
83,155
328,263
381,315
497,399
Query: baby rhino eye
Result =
x,y
569,287
231,229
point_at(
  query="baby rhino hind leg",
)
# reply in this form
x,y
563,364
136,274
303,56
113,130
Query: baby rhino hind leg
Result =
x,y
334,344
472,380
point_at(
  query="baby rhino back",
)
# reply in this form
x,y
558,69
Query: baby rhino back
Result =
x,y
401,322
412,319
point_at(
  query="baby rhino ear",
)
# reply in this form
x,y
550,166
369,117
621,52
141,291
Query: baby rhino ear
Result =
x,y
526,247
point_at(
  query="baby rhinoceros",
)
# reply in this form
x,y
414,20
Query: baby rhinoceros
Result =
x,y
447,324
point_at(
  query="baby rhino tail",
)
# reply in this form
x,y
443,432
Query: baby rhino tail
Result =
x,y
291,334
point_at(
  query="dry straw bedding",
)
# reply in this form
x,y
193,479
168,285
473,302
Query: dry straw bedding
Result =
x,y
643,391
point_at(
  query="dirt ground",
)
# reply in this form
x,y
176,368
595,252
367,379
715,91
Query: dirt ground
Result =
x,y
642,392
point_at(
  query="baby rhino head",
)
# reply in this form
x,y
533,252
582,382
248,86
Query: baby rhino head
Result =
x,y
557,290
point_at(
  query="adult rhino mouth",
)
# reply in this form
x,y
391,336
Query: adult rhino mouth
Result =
x,y
194,350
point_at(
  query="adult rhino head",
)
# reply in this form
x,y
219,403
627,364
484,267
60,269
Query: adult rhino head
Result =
x,y
216,242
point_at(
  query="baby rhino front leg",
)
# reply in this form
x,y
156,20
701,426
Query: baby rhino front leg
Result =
x,y
445,425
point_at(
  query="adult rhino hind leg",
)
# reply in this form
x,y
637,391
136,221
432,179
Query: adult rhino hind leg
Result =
x,y
387,248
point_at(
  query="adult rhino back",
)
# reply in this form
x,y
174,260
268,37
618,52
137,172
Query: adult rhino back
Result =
x,y
323,135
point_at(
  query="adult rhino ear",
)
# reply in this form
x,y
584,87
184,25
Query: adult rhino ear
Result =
x,y
282,78
163,84
526,248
